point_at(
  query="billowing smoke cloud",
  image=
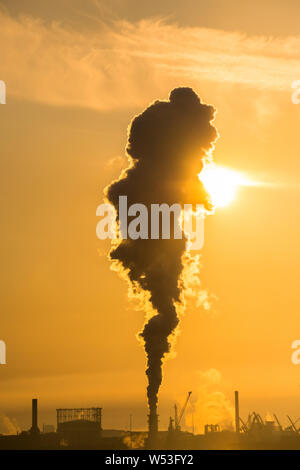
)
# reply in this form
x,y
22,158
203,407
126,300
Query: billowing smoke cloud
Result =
x,y
209,405
166,147
8,426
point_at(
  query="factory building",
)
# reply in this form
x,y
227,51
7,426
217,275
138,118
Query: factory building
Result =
x,y
79,426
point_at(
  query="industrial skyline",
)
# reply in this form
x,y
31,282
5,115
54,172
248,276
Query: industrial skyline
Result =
x,y
81,428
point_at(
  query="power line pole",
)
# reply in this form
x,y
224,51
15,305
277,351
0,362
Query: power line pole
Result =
x,y
130,429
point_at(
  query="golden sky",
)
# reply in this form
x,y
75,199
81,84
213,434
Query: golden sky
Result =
x,y
76,73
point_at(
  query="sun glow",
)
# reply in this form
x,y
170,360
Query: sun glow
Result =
x,y
222,183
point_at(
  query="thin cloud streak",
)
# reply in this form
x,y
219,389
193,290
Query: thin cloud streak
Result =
x,y
124,64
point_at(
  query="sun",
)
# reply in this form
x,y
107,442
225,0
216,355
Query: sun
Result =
x,y
222,183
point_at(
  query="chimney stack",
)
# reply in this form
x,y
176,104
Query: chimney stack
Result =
x,y
151,442
34,426
153,425
237,412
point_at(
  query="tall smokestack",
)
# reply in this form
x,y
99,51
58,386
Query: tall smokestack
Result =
x,y
237,412
152,440
34,427
153,425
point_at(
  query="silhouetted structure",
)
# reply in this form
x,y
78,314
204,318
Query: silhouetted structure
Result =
x,y
79,426
237,411
153,425
48,428
34,426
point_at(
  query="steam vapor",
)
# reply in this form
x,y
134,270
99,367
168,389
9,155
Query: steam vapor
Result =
x,y
166,147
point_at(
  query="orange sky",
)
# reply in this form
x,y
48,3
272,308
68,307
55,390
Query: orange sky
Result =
x,y
72,89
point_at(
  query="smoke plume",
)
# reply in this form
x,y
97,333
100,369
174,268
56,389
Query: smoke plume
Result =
x,y
210,405
8,426
166,147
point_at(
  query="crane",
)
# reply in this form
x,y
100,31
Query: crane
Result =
x,y
277,421
244,426
293,425
178,418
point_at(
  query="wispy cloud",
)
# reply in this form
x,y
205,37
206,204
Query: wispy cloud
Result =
x,y
124,64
